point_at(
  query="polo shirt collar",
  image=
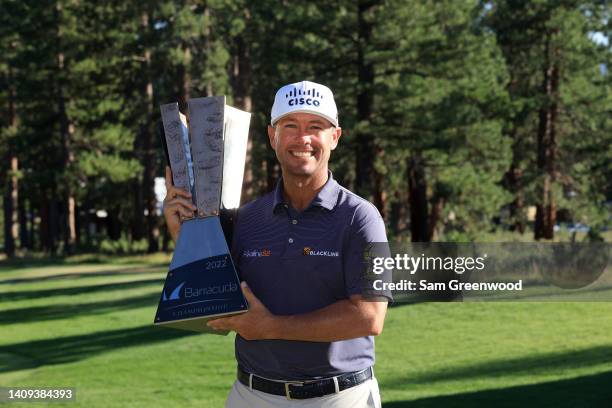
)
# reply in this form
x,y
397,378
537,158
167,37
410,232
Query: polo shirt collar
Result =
x,y
327,197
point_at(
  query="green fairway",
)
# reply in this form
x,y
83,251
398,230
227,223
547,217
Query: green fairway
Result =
x,y
88,325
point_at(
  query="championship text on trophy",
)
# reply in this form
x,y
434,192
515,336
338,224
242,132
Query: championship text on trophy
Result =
x,y
202,282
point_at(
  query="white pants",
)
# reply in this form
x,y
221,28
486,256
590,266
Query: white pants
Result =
x,y
365,395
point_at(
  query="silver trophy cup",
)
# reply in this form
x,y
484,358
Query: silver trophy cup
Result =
x,y
207,158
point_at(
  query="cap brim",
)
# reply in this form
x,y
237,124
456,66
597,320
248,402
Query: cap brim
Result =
x,y
329,119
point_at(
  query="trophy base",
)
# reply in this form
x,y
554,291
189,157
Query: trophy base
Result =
x,y
202,283
197,324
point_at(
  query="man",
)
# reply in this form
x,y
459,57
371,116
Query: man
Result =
x,y
308,334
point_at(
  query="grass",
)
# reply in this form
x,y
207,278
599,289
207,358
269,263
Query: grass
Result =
x,y
86,323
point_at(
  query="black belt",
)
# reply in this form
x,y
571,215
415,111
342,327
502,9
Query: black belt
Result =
x,y
305,389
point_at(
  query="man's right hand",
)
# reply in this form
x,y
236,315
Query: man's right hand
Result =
x,y
177,204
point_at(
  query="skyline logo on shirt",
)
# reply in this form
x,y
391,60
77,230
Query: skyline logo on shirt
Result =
x,y
256,253
308,251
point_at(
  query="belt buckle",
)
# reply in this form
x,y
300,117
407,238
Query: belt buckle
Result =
x,y
288,390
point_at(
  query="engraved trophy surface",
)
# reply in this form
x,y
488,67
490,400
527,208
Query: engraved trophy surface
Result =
x,y
207,158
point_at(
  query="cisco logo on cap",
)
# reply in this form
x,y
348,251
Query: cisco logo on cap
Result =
x,y
311,97
307,97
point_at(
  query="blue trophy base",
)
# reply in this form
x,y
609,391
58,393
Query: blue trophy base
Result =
x,y
202,282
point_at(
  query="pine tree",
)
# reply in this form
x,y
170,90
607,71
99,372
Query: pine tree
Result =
x,y
8,132
555,71
440,87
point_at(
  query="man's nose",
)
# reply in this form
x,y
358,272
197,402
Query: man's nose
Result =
x,y
304,134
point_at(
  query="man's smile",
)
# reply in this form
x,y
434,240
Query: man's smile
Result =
x,y
302,153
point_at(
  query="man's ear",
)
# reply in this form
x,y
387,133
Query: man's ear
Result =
x,y
272,136
337,132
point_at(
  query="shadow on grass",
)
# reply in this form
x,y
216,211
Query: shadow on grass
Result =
x,y
62,311
79,290
39,259
585,391
76,275
539,364
73,348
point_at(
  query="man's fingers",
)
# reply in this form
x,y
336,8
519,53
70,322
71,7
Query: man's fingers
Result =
x,y
220,324
179,202
246,291
176,209
182,193
168,178
248,294
180,205
185,203
177,192
186,213
173,192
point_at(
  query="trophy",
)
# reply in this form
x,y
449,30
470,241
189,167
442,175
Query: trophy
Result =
x,y
207,158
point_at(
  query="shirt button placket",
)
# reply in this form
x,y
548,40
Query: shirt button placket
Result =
x,y
292,221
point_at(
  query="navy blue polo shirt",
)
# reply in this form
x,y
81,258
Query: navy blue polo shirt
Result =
x,y
298,262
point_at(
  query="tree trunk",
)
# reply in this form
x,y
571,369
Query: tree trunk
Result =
x,y
240,79
49,226
379,192
397,214
69,227
417,194
137,226
365,100
24,242
54,224
368,181
435,216
78,223
45,225
148,136
11,202
514,183
31,237
67,132
70,236
113,225
11,190
547,149
89,221
513,179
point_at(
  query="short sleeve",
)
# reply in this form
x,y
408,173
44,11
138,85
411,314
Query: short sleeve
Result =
x,y
365,234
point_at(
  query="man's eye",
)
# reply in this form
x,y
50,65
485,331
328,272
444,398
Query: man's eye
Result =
x,y
290,126
316,128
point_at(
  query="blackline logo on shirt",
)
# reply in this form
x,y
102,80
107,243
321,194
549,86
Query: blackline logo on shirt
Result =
x,y
256,253
308,251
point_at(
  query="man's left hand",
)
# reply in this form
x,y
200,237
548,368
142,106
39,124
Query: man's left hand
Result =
x,y
255,324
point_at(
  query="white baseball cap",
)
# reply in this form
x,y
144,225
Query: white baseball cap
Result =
x,y
307,97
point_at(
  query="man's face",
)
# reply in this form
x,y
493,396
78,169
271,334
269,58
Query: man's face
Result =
x,y
303,143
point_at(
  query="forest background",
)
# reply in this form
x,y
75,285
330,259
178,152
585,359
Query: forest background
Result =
x,y
463,120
